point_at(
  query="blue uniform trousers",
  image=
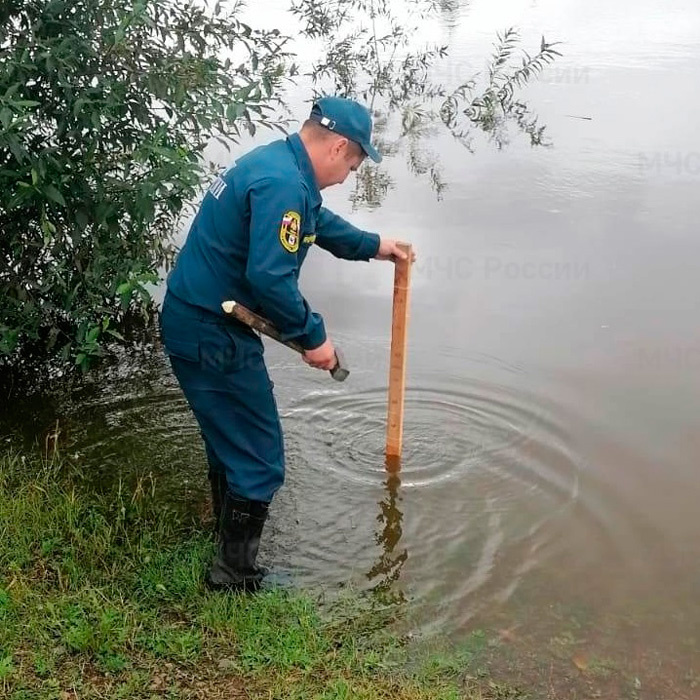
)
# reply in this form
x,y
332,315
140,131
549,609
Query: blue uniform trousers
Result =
x,y
220,367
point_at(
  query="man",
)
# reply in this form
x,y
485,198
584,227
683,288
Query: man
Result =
x,y
248,241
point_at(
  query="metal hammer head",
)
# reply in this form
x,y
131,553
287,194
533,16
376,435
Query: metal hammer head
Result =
x,y
340,371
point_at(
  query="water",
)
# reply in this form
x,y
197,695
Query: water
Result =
x,y
549,490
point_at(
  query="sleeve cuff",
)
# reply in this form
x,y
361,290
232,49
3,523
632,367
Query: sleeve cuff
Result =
x,y
369,247
316,336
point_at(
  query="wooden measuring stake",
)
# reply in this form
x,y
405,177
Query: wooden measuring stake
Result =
x,y
397,366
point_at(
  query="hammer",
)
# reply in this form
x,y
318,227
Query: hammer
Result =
x,y
262,325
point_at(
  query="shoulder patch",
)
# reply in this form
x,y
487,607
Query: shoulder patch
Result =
x,y
289,231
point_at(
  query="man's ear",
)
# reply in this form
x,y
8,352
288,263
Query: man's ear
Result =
x,y
339,146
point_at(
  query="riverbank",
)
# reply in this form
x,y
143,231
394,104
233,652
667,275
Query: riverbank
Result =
x,y
101,596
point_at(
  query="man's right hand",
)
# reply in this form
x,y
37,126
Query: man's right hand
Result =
x,y
322,357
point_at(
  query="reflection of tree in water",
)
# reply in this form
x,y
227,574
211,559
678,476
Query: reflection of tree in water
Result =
x,y
387,568
370,53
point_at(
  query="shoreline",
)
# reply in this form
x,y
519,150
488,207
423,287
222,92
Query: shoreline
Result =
x,y
102,595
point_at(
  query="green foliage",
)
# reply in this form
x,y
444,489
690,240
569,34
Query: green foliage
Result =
x,y
4,604
105,109
175,641
495,104
376,58
6,666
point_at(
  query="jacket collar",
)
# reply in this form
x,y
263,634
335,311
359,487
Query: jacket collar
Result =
x,y
304,162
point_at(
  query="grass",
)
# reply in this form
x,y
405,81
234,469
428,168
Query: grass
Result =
x,y
101,596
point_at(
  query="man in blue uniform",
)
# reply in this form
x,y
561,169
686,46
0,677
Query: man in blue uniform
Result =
x,y
248,242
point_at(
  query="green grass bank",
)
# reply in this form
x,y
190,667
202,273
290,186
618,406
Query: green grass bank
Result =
x,y
101,596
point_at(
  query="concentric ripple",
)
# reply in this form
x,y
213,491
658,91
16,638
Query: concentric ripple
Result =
x,y
447,434
489,486
487,473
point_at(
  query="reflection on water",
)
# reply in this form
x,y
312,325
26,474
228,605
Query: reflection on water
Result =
x,y
386,571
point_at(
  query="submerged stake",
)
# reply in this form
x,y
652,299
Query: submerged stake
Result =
x,y
397,366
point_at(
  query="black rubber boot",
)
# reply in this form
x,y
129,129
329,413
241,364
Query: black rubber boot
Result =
x,y
217,480
234,567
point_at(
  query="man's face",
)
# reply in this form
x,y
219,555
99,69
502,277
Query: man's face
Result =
x,y
344,157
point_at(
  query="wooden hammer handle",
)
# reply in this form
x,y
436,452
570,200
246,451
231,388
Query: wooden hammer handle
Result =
x,y
262,325
258,323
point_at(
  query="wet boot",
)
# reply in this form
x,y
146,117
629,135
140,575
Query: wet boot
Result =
x,y
234,567
219,486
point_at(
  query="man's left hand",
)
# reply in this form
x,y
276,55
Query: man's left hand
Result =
x,y
389,250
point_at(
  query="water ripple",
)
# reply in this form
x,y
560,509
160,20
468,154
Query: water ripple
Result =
x,y
448,435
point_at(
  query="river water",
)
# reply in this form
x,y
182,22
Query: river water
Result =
x,y
550,486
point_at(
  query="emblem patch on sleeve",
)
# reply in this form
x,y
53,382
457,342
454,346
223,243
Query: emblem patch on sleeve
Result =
x,y
289,231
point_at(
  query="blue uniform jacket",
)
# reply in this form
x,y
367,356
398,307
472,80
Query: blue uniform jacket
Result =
x,y
251,234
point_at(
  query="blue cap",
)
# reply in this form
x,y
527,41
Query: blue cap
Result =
x,y
347,118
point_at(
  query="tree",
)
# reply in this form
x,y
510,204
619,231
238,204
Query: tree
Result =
x,y
371,50
105,109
